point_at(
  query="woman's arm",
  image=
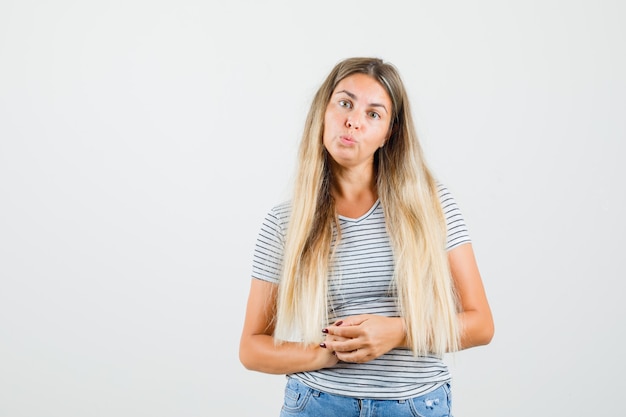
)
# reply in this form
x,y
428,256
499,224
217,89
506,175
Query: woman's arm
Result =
x,y
475,318
257,350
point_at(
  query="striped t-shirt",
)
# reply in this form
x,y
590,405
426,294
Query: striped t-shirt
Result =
x,y
360,283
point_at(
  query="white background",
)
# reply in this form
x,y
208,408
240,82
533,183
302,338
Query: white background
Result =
x,y
142,143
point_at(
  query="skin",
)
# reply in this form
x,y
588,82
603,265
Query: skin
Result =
x,y
356,124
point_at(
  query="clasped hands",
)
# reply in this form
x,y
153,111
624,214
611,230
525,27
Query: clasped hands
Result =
x,y
361,338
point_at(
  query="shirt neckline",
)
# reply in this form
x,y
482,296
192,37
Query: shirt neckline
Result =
x,y
367,213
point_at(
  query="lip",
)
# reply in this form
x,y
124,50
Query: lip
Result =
x,y
347,139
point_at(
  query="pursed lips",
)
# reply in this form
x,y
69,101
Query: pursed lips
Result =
x,y
347,139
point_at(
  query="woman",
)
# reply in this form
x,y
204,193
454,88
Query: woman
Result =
x,y
366,277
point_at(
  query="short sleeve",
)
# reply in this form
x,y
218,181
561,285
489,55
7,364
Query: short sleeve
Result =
x,y
268,251
457,233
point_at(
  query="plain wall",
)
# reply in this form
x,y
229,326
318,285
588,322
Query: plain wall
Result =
x,y
142,143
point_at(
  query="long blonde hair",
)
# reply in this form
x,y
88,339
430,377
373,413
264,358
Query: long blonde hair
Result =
x,y
414,220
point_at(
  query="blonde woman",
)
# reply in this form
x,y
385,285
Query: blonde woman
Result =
x,y
366,277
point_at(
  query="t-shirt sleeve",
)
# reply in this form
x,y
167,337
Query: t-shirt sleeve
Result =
x,y
455,224
268,252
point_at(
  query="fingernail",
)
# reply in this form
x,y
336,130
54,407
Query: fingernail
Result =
x,y
323,345
339,323
324,330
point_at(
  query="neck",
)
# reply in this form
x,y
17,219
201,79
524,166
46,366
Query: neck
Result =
x,y
354,190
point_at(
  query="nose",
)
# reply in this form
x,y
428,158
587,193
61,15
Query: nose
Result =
x,y
352,122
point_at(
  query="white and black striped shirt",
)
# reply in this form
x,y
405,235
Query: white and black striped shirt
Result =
x,y
360,282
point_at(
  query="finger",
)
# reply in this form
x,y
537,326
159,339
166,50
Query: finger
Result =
x,y
346,345
348,321
333,338
347,332
351,320
355,356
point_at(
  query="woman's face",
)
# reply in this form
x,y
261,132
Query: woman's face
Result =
x,y
357,120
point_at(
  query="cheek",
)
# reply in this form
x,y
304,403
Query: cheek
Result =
x,y
327,128
329,120
383,135
325,136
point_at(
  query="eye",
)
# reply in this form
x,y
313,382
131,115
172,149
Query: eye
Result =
x,y
373,115
345,103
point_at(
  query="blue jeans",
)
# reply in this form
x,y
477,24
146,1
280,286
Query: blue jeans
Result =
x,y
303,401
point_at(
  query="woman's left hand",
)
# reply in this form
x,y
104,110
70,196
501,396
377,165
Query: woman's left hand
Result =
x,y
364,337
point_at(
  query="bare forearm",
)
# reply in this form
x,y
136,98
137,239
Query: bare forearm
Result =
x,y
260,353
476,328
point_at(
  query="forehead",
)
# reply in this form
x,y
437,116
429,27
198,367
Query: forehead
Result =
x,y
364,87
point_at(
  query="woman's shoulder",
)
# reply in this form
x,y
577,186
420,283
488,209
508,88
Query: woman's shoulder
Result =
x,y
445,196
279,213
281,209
457,230
441,188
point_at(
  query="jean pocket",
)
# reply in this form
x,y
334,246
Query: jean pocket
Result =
x,y
434,404
297,396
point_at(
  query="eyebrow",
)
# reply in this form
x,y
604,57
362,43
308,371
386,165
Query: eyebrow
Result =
x,y
353,97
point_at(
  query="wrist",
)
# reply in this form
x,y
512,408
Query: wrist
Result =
x,y
401,330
